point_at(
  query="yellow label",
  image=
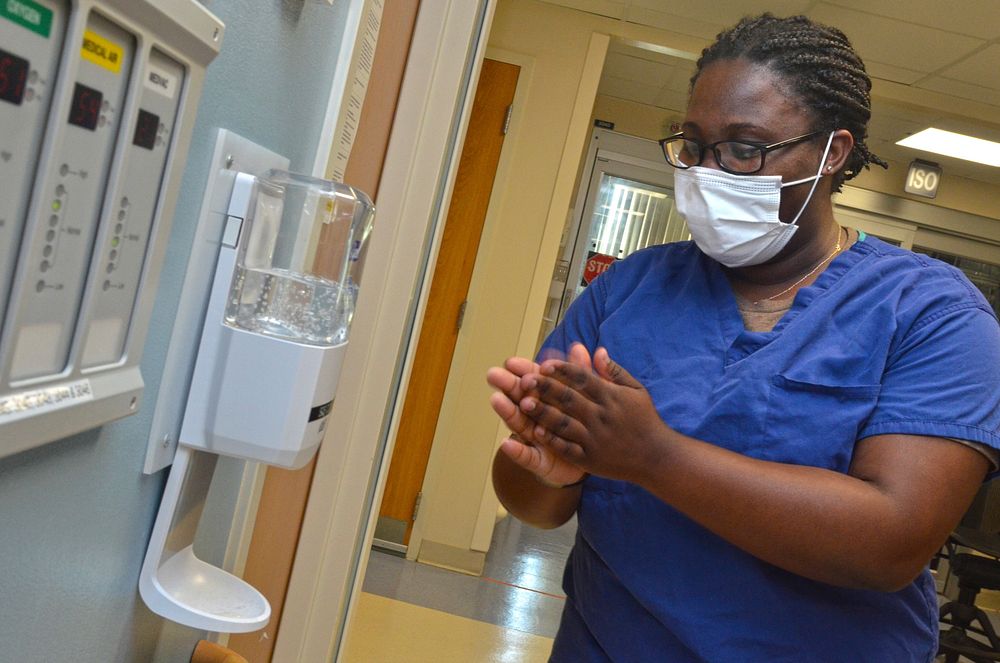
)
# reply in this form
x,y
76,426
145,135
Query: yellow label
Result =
x,y
102,52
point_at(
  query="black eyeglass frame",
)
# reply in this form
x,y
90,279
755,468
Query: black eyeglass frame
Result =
x,y
764,149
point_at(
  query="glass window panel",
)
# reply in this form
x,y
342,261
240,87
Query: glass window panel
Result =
x,y
630,215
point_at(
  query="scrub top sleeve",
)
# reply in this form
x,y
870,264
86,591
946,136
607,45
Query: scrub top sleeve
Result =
x,y
943,379
582,321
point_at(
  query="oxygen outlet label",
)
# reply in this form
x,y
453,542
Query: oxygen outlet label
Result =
x,y
28,14
101,51
29,403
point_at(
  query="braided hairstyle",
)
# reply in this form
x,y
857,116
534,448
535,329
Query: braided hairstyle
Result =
x,y
818,64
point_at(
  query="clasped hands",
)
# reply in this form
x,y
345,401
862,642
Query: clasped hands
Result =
x,y
578,415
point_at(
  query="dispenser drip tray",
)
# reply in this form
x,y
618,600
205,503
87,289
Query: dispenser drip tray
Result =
x,y
209,598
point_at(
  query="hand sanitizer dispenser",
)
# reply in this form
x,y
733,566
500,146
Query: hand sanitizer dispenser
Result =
x,y
276,329
271,350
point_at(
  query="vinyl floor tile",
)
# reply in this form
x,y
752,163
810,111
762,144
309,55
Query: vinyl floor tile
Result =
x,y
528,557
462,595
385,630
520,587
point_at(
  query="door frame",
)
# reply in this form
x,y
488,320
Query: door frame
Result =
x,y
476,294
472,175
421,162
561,197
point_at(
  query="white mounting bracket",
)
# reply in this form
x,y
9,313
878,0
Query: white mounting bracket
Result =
x,y
232,153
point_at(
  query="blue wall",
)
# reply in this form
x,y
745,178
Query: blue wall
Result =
x,y
75,515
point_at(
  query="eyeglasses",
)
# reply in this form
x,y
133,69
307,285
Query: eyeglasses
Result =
x,y
732,156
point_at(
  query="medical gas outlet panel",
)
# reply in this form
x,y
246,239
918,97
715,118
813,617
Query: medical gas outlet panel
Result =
x,y
97,105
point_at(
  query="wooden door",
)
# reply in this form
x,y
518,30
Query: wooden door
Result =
x,y
446,301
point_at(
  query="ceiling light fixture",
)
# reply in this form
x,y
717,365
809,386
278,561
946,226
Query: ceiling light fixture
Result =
x,y
951,144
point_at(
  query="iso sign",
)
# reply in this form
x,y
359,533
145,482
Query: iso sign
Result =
x,y
923,179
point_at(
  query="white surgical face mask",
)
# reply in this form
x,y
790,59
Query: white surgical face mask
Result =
x,y
734,218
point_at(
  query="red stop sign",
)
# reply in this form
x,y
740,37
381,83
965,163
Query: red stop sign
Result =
x,y
597,264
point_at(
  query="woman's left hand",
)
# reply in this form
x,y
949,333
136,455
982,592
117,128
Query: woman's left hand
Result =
x,y
604,423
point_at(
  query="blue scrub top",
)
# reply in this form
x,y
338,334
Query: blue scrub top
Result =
x,y
884,341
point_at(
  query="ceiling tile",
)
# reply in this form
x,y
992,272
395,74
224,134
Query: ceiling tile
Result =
x,y
978,18
672,100
963,126
981,68
623,89
970,129
670,71
649,52
962,89
721,12
903,112
609,8
893,129
884,40
619,65
888,72
678,79
673,23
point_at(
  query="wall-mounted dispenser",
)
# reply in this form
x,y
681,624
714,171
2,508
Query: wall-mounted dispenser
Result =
x,y
269,358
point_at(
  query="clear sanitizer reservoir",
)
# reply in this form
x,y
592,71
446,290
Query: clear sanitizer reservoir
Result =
x,y
297,273
277,322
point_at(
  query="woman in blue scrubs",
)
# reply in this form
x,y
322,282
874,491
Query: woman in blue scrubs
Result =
x,y
765,433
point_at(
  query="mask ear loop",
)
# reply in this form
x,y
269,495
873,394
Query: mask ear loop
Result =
x,y
815,180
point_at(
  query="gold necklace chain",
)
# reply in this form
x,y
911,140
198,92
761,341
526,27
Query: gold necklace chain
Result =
x,y
836,249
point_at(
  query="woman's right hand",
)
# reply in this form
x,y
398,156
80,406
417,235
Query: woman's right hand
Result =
x,y
522,447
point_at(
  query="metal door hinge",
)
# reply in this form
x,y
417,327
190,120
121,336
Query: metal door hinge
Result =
x,y
416,504
461,315
506,119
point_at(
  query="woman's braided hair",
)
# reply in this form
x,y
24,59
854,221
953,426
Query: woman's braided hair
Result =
x,y
819,65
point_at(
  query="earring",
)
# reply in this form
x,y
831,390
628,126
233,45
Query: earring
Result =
x,y
829,167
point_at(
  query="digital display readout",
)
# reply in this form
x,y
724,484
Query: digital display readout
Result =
x,y
13,77
86,107
145,129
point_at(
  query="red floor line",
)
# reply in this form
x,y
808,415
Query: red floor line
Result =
x,y
529,589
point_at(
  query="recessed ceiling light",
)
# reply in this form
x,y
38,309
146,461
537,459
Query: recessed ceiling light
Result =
x,y
951,144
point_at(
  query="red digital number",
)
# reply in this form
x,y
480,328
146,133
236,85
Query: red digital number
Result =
x,y
86,110
86,107
146,127
13,77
